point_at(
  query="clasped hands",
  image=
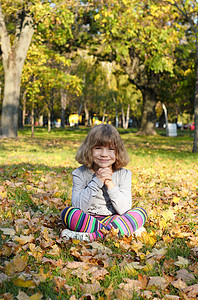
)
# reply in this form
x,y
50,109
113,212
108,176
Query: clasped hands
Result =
x,y
105,176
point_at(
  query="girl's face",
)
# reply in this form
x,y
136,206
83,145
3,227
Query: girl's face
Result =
x,y
103,156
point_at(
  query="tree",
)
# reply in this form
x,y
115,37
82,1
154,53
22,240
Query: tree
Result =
x,y
13,56
17,25
188,11
141,37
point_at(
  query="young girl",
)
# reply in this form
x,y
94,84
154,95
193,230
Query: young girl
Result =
x,y
101,194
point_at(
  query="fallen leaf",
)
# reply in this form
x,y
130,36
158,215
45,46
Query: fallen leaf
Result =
x,y
159,282
8,231
24,239
182,262
179,284
191,291
23,281
17,264
91,288
185,275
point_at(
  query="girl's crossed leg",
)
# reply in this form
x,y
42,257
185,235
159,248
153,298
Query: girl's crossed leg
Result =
x,y
76,220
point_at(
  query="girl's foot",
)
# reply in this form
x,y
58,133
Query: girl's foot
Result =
x,y
139,231
69,234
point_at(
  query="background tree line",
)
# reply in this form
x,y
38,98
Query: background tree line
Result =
x,y
115,57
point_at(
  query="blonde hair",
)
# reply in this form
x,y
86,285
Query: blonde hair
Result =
x,y
102,135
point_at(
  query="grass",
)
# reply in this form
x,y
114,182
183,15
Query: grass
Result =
x,y
36,184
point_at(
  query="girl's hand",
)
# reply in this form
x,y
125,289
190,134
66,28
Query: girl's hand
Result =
x,y
105,176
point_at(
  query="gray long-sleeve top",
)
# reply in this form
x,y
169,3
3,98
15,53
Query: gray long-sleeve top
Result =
x,y
91,195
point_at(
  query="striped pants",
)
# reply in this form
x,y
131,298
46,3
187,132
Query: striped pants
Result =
x,y
76,220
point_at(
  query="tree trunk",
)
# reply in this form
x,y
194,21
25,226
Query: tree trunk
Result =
x,y
40,120
147,126
127,116
63,107
24,107
13,61
49,121
86,114
195,143
116,111
32,121
103,117
123,118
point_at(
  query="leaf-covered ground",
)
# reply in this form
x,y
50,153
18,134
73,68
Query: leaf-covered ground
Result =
x,y
35,185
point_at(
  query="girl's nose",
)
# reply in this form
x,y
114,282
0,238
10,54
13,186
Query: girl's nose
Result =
x,y
104,152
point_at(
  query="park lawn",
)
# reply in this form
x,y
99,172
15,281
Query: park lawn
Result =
x,y
36,184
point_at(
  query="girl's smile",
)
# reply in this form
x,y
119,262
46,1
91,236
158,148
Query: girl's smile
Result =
x,y
103,156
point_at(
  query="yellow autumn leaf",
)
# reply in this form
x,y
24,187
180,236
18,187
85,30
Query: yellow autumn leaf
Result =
x,y
21,281
24,239
131,270
3,194
17,264
168,215
176,199
37,296
148,267
148,238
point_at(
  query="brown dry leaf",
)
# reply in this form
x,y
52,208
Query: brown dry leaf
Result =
x,y
62,283
121,294
99,274
8,231
74,252
55,263
80,273
159,282
91,288
100,248
185,275
128,288
144,279
76,265
191,291
17,264
168,263
169,278
24,239
55,251
7,296
179,284
194,268
194,251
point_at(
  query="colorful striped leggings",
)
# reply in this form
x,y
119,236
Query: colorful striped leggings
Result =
x,y
76,220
